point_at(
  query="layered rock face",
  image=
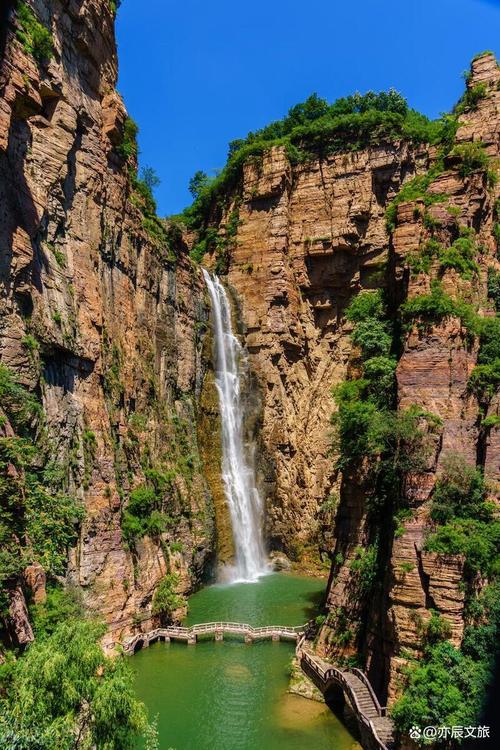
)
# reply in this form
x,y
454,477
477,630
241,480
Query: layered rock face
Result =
x,y
310,236
118,315
432,374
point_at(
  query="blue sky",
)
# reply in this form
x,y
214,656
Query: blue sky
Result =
x,y
197,74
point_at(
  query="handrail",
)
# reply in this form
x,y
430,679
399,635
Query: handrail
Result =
x,y
333,673
209,627
299,632
382,710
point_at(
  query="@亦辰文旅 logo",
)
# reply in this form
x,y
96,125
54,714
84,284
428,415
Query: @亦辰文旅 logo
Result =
x,y
431,733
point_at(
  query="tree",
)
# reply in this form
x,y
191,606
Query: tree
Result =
x,y
312,109
197,182
150,178
65,694
446,688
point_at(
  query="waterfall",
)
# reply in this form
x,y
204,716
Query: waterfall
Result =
x,y
243,498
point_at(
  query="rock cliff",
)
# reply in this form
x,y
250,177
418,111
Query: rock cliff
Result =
x,y
309,238
102,311
433,373
300,239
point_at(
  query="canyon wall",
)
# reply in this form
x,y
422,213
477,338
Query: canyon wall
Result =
x,y
310,236
432,374
102,313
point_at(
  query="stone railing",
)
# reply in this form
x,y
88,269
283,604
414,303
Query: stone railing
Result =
x,y
371,729
217,629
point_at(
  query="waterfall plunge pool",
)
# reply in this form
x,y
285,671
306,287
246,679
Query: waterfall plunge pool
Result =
x,y
232,695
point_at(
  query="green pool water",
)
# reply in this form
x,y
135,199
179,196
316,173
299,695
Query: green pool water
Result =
x,y
232,695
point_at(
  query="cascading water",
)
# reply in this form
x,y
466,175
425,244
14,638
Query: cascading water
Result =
x,y
243,498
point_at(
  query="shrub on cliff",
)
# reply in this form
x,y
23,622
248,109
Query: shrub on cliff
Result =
x,y
445,689
371,330
364,568
380,373
373,338
464,518
33,35
165,599
143,515
38,520
62,604
415,189
360,424
128,146
365,306
472,157
368,425
448,686
477,541
434,307
460,257
489,341
471,98
482,633
494,287
460,491
20,405
484,380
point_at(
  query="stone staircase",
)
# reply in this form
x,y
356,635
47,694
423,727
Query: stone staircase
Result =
x,y
376,728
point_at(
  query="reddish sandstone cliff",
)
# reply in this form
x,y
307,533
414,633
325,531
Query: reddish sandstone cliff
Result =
x,y
310,236
118,314
433,373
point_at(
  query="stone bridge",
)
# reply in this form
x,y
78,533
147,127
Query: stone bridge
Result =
x,y
352,685
215,629
375,727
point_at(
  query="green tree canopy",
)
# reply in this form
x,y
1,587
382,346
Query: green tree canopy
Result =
x,y
65,694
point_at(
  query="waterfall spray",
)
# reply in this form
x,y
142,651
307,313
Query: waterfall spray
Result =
x,y
238,473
